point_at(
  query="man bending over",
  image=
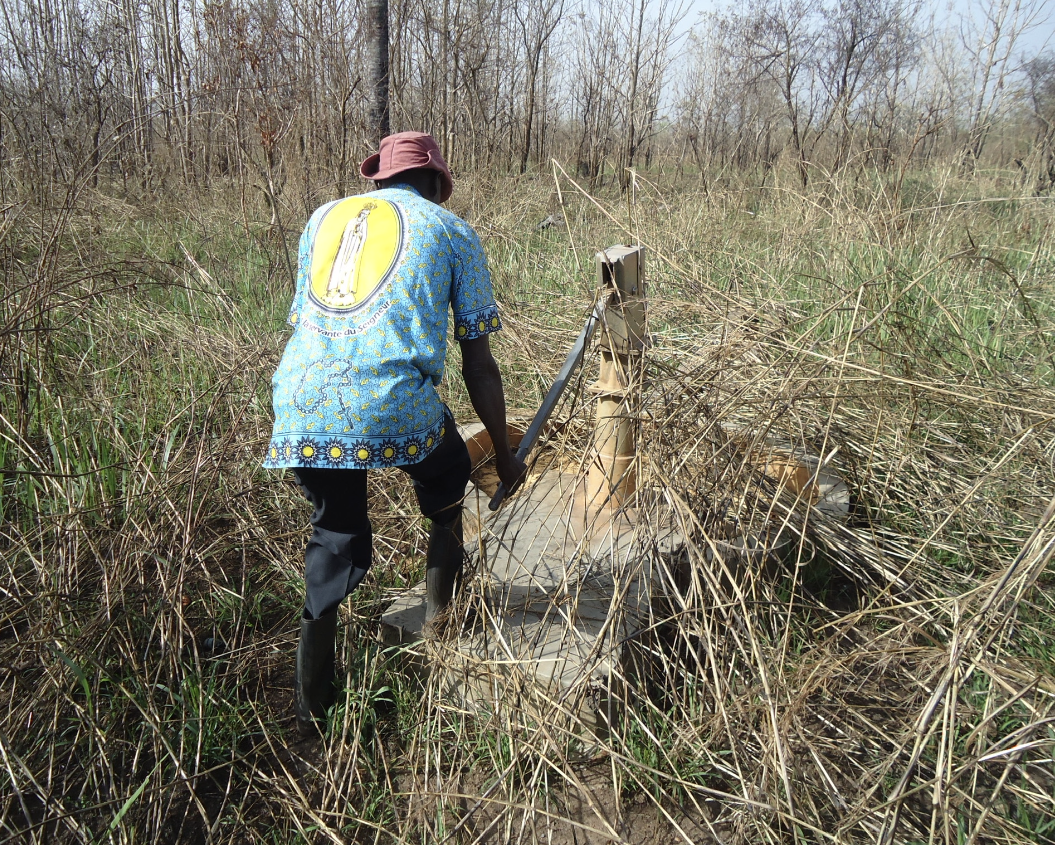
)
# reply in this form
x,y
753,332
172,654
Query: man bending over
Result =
x,y
356,387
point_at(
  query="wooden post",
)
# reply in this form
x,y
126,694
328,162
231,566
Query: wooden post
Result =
x,y
612,475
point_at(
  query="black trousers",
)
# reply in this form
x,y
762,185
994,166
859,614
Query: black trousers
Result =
x,y
340,550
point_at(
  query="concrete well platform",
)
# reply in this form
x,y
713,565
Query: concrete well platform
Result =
x,y
560,594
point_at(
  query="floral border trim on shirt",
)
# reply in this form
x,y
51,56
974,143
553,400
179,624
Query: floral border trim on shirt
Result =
x,y
352,452
477,323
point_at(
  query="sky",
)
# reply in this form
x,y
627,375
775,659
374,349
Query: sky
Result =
x,y
1040,37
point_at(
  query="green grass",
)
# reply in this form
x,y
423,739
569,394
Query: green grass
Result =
x,y
136,523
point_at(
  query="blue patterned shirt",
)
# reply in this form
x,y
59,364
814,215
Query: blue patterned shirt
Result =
x,y
356,386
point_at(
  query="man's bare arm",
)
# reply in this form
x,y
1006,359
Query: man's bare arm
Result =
x,y
484,383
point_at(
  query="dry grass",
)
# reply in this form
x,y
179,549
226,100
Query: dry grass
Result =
x,y
893,682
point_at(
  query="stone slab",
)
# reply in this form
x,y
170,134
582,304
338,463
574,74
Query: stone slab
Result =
x,y
404,621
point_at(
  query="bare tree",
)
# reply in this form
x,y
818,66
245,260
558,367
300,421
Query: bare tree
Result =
x,y
1040,97
623,53
648,47
596,78
283,98
990,35
781,41
866,49
377,62
536,20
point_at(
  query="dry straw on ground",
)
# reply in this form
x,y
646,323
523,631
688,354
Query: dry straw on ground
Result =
x,y
892,681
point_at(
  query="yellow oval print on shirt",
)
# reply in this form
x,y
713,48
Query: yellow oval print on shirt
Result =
x,y
356,248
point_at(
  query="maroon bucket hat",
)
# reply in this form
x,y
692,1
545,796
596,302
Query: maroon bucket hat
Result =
x,y
407,151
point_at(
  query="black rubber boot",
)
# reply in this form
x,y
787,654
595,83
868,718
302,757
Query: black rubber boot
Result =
x,y
313,692
443,566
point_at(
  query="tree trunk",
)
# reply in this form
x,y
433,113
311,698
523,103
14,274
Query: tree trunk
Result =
x,y
377,68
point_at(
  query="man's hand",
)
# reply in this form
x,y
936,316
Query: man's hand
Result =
x,y
511,471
